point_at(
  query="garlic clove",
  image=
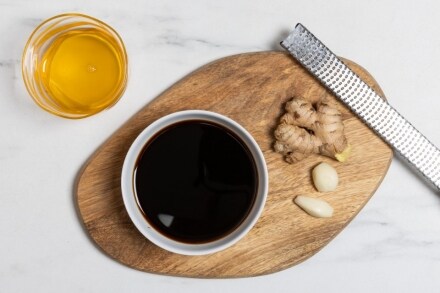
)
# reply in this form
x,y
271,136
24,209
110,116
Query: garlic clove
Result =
x,y
315,207
325,177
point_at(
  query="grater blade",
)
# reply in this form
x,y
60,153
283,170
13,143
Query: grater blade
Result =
x,y
364,102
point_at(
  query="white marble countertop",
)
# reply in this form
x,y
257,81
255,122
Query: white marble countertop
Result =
x,y
392,246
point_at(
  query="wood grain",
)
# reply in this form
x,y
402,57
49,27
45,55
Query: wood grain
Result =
x,y
251,89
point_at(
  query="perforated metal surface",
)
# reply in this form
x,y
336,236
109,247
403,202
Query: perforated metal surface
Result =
x,y
365,102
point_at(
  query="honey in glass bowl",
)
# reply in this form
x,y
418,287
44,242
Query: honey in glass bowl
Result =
x,y
75,66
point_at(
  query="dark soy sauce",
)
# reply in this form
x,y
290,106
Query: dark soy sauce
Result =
x,y
195,181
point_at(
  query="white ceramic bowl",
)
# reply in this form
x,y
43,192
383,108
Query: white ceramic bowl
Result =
x,y
135,213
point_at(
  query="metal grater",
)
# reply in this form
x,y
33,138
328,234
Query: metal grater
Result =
x,y
364,102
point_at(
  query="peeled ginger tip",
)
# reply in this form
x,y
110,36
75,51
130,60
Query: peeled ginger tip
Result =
x,y
342,157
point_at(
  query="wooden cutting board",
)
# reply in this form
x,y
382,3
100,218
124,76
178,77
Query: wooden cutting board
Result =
x,y
251,89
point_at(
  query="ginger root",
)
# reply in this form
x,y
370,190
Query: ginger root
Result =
x,y
306,129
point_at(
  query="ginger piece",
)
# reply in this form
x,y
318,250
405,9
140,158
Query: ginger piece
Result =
x,y
306,129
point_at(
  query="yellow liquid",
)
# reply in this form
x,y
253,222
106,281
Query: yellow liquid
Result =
x,y
83,71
